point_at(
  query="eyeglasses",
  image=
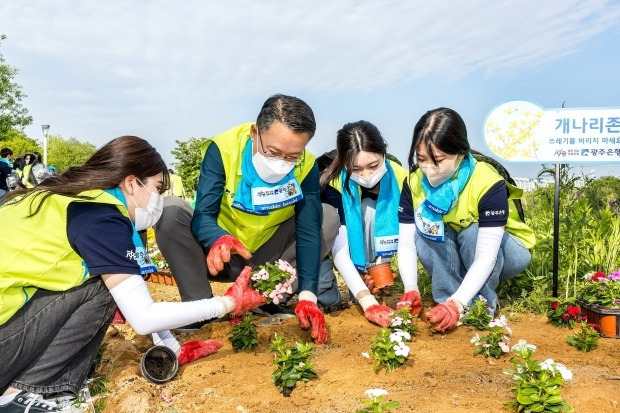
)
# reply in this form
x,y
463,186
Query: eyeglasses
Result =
x,y
291,160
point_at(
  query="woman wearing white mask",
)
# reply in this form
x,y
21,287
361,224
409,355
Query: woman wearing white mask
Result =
x,y
78,257
457,215
364,186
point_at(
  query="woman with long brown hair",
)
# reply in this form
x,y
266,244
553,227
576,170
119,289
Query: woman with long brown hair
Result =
x,y
78,257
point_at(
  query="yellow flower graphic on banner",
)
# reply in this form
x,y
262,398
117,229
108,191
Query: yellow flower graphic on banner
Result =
x,y
510,130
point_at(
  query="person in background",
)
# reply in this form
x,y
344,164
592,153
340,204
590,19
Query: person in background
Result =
x,y
6,168
458,217
77,258
35,172
176,185
258,201
28,158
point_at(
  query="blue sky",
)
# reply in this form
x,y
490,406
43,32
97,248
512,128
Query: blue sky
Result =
x,y
171,70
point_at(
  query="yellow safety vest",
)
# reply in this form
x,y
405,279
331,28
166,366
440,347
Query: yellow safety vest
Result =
x,y
252,230
465,211
41,256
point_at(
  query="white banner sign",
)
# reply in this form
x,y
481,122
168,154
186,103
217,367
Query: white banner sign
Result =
x,y
521,131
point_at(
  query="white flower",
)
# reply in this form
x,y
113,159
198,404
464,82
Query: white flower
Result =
x,y
548,364
302,364
398,335
401,349
501,321
374,393
522,345
481,298
564,371
475,339
365,355
504,347
396,321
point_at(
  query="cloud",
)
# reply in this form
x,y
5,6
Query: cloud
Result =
x,y
155,59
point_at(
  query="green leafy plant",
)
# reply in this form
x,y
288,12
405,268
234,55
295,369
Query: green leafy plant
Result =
x,y
292,364
244,335
602,289
375,404
586,338
495,343
390,349
403,320
477,315
538,386
274,280
564,313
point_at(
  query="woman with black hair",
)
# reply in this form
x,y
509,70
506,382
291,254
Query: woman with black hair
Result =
x,y
458,217
77,258
364,187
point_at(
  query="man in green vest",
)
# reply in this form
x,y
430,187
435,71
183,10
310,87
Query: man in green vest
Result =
x,y
258,200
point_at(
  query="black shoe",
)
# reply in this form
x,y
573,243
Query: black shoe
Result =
x,y
336,307
192,328
279,310
28,402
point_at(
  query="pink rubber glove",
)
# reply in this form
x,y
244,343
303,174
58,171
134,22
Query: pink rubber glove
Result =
x,y
194,350
412,300
244,297
308,314
221,250
379,314
445,315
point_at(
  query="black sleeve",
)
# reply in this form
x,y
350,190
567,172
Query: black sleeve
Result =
x,y
334,198
308,221
406,214
102,237
493,206
209,198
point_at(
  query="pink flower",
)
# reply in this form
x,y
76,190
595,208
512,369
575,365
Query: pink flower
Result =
x,y
504,347
615,275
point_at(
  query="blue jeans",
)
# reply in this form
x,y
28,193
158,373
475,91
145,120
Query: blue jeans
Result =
x,y
448,262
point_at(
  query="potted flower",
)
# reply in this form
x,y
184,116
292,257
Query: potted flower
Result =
x,y
274,280
600,301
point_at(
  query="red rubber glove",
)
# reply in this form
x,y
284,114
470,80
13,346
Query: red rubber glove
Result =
x,y
308,314
221,250
371,284
445,315
412,300
194,350
245,298
379,314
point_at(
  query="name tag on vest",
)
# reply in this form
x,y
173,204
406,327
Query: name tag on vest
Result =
x,y
274,197
386,245
433,230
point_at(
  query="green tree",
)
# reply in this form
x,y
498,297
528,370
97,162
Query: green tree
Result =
x,y
12,114
19,143
188,160
65,153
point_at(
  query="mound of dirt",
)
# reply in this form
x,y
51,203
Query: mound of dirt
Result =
x,y
440,375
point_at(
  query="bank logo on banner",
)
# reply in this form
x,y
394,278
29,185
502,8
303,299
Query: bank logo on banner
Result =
x,y
521,131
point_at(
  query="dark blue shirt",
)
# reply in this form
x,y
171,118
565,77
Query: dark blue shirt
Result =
x,y
102,237
5,171
308,216
492,208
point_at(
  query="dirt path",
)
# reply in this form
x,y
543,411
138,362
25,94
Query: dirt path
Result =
x,y
440,375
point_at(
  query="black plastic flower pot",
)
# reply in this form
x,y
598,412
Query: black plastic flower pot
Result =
x,y
159,364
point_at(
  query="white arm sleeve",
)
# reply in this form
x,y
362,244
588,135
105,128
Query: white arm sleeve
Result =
x,y
165,338
407,256
145,316
344,264
487,247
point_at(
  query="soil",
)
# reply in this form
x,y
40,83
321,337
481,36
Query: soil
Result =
x,y
440,375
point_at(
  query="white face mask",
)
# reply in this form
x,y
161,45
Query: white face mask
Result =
x,y
27,161
270,170
373,180
145,218
438,174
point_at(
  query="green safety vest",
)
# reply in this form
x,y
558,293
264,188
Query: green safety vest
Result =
x,y
41,256
252,230
465,212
